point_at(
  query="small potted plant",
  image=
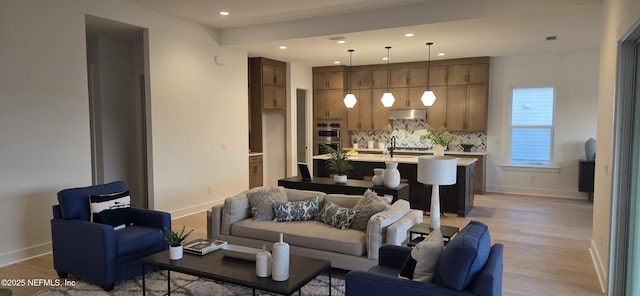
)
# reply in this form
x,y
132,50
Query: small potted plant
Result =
x,y
175,240
440,140
338,163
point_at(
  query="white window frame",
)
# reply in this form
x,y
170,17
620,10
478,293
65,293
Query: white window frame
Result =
x,y
532,167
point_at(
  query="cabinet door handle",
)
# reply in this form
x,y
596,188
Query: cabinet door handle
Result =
x,y
275,80
275,102
408,81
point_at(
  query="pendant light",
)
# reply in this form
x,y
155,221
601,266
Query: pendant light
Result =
x,y
350,99
428,97
387,98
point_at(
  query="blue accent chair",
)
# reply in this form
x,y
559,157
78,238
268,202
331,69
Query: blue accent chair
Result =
x,y
468,265
96,252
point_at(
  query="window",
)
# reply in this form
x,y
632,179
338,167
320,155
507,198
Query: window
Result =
x,y
531,125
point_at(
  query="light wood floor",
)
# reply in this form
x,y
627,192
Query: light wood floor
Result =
x,y
546,244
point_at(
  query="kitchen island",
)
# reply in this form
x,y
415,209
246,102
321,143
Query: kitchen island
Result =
x,y
456,198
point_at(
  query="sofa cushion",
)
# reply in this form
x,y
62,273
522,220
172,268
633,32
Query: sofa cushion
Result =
x,y
235,208
298,195
464,257
296,210
307,234
421,263
367,206
337,216
112,209
261,201
136,238
343,200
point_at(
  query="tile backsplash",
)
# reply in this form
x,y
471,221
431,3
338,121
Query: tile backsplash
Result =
x,y
408,132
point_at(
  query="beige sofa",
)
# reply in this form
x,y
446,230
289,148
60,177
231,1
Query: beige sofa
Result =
x,y
347,249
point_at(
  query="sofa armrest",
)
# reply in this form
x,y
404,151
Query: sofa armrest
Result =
x,y
84,248
236,208
372,284
397,233
377,226
214,222
489,280
151,218
393,256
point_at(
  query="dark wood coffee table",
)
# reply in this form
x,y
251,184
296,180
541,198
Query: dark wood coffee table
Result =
x,y
240,272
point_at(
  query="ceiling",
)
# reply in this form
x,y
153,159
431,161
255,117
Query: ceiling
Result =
x,y
459,28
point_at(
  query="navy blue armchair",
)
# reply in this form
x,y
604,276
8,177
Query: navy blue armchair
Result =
x,y
96,252
468,265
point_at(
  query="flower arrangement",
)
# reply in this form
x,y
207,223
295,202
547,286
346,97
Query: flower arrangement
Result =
x,y
441,137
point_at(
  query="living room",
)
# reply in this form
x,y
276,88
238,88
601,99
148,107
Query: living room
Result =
x,y
45,123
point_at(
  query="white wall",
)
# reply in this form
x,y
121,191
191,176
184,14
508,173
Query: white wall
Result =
x,y
198,114
574,76
619,18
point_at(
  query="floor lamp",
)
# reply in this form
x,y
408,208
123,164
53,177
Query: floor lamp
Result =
x,y
436,171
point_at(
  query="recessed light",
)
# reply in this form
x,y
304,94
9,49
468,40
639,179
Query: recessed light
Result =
x,y
341,41
283,47
336,62
224,13
408,35
440,53
385,58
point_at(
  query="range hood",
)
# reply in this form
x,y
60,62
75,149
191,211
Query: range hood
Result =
x,y
408,114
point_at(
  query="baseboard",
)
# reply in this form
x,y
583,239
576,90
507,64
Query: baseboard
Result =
x,y
597,263
194,209
536,191
24,254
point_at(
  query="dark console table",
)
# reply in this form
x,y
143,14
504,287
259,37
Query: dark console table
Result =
x,y
586,173
327,185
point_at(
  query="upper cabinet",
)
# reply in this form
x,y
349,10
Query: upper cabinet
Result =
x,y
460,86
468,74
268,83
329,88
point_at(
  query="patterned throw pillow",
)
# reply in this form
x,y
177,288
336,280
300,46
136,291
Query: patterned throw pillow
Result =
x,y
337,216
297,210
369,205
261,201
111,209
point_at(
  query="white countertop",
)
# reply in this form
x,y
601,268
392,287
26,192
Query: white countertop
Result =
x,y
410,159
418,152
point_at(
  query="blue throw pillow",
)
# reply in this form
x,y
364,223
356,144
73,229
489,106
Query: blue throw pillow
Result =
x,y
112,209
297,210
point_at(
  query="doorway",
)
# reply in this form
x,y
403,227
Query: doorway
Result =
x,y
117,71
301,123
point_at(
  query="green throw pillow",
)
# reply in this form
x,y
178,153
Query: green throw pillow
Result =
x,y
296,210
337,216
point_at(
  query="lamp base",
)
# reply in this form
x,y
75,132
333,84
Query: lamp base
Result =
x,y
435,207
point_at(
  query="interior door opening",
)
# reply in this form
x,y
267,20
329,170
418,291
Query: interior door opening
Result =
x,y
117,80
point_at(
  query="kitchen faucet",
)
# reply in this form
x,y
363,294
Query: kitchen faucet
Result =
x,y
392,145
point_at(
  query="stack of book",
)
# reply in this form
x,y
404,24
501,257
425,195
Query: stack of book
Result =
x,y
203,246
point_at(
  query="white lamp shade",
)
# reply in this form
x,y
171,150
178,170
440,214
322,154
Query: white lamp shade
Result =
x,y
350,100
428,98
387,99
437,170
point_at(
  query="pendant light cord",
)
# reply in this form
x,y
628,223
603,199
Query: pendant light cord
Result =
x,y
350,55
429,67
388,74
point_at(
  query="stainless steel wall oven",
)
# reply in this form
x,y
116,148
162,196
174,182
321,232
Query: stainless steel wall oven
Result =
x,y
326,134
